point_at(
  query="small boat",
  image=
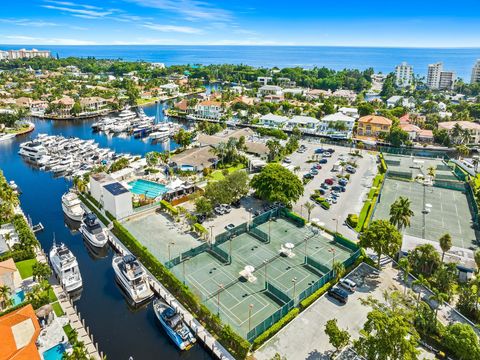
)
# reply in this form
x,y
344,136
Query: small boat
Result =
x,y
93,232
132,277
71,206
174,325
5,137
65,266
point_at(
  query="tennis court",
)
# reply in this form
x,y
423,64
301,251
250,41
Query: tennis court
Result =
x,y
244,304
449,211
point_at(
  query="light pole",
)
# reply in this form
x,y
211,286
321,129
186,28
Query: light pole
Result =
x,y
294,281
336,224
306,247
211,234
250,307
220,286
265,263
269,229
183,269
169,255
332,250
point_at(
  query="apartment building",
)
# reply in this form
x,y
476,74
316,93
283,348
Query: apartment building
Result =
x,y
476,73
27,54
439,79
403,75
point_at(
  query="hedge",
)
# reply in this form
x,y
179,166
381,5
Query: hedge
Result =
x,y
165,205
382,167
234,343
352,220
321,201
305,303
368,206
275,328
102,218
18,255
110,216
200,229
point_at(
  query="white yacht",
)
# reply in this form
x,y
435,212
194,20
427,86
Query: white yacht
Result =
x,y
120,127
71,206
93,232
32,150
132,278
5,137
161,133
66,267
127,114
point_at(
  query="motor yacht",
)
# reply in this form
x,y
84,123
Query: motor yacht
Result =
x,y
71,206
93,231
32,150
65,267
132,277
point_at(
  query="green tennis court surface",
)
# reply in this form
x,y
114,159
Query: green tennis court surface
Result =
x,y
243,304
449,211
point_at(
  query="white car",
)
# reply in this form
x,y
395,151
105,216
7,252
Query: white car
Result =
x,y
348,284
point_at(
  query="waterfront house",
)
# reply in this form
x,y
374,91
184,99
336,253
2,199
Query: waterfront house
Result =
x,y
117,200
93,103
273,120
209,109
425,136
337,125
198,158
411,130
371,126
472,128
19,331
9,275
170,89
63,106
38,105
269,90
23,102
304,122
395,101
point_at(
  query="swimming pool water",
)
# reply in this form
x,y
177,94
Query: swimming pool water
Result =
x,y
18,297
54,353
147,188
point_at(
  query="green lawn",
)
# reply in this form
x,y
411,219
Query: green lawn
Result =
x,y
51,296
68,329
218,174
25,267
57,309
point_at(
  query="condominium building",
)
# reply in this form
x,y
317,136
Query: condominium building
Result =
x,y
403,75
438,79
3,55
27,54
476,73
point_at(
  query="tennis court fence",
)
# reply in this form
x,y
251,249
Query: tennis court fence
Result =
x,y
259,234
276,292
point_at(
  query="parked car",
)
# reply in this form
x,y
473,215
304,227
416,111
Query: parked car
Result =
x,y
314,171
339,294
322,161
300,151
351,169
287,160
343,182
331,150
308,176
329,181
201,218
332,200
226,208
229,227
236,204
336,188
322,191
326,154
319,151
256,213
219,210
318,166
325,186
334,194
348,284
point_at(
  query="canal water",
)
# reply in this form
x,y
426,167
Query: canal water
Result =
x,y
120,331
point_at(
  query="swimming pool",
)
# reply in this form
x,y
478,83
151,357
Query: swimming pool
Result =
x,y
18,297
147,188
54,353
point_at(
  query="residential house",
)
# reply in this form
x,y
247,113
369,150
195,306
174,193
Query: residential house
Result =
x,y
264,80
472,128
318,93
305,122
19,331
170,89
63,106
23,102
198,158
273,98
38,105
293,91
349,111
9,275
337,125
373,126
273,120
411,129
394,101
93,103
285,82
269,90
349,95
209,109
425,136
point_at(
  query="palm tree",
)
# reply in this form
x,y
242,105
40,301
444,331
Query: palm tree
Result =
x,y
338,269
445,244
431,171
439,298
79,184
421,281
476,256
309,206
5,293
405,266
456,132
400,213
462,150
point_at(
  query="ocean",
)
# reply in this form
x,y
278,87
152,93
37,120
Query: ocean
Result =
x,y
381,59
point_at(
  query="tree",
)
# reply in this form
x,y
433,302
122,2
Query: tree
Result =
x,y
217,192
424,260
80,184
183,137
152,158
445,244
238,181
203,206
462,341
365,109
338,269
420,282
405,266
274,148
5,293
338,338
382,237
476,256
309,206
439,298
41,271
445,278
276,183
400,213
76,108
397,136
462,150
431,171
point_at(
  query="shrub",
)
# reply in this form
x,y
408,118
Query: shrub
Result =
x,y
312,298
352,220
18,255
92,208
200,229
165,205
275,328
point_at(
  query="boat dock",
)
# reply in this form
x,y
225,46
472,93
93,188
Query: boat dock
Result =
x,y
208,340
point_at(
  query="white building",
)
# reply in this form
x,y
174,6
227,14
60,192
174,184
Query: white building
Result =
x,y
96,184
209,109
269,90
171,89
273,120
264,80
27,54
306,122
117,200
402,101
438,79
472,128
337,125
403,75
349,111
476,73
3,55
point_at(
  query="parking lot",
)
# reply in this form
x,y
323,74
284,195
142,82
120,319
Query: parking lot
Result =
x,y
313,342
350,201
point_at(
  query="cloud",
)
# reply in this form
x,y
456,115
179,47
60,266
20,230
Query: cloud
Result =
x,y
89,13
68,3
28,22
191,9
30,40
172,28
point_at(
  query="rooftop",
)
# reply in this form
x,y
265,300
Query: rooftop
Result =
x,y
375,119
116,188
449,125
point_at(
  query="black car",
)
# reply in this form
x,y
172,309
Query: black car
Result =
x,y
236,204
308,176
331,150
339,294
322,161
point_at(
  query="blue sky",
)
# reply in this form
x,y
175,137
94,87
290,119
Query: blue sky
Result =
x,y
408,23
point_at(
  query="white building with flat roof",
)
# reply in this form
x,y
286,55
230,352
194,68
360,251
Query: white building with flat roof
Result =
x,y
27,54
476,73
117,200
439,79
269,90
264,80
337,125
403,75
273,120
